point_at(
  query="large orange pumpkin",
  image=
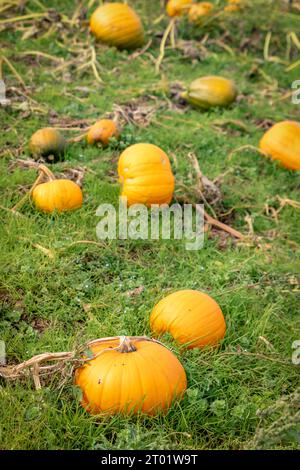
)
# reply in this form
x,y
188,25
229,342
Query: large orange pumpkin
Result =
x,y
193,318
116,24
102,131
56,194
178,7
146,175
130,375
282,142
206,92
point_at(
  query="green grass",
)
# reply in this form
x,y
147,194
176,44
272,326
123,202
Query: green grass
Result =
x,y
43,300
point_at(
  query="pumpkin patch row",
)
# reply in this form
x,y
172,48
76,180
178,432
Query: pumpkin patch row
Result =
x,y
117,24
151,376
144,169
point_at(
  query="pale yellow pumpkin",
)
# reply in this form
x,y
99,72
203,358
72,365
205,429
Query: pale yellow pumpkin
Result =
x,y
210,91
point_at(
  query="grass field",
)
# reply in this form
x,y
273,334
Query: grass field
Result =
x,y
55,300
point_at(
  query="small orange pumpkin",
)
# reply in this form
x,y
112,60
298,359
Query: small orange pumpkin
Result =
x,y
197,11
116,24
282,142
146,174
234,5
206,92
47,143
102,131
56,194
178,7
193,318
130,375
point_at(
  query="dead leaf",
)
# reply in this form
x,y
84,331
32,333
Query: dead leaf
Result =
x,y
86,307
134,292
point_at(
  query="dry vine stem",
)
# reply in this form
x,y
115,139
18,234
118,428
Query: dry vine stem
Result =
x,y
211,220
34,365
43,171
246,147
204,183
169,31
5,60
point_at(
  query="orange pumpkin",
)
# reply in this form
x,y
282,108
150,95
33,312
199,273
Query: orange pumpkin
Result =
x,y
146,174
116,24
234,5
282,142
197,11
102,131
60,195
206,92
193,318
130,375
178,7
47,143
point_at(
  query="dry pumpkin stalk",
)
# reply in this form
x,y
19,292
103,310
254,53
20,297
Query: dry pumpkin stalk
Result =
x,y
53,362
211,220
208,190
138,112
169,31
194,50
73,174
209,194
246,147
271,211
135,292
44,173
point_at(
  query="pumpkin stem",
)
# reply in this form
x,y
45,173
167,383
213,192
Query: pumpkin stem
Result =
x,y
126,346
184,95
43,169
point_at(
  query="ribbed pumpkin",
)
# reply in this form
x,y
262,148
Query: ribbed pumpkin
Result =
x,y
146,175
116,24
197,11
206,92
178,7
193,318
56,194
47,143
282,142
102,131
130,375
